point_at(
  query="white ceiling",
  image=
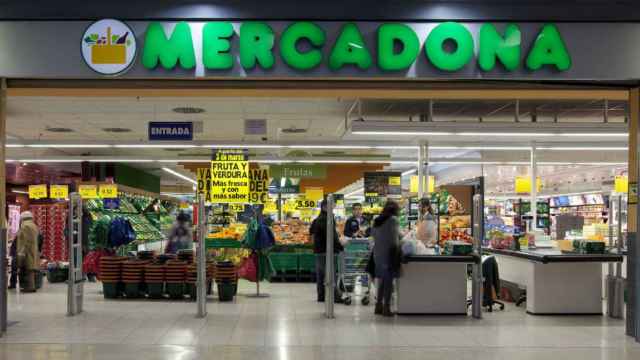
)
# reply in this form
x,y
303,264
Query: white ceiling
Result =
x,y
323,118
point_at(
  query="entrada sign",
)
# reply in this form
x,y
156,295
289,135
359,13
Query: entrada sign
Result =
x,y
448,47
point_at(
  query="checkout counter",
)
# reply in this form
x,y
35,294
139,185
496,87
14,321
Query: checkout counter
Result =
x,y
556,282
434,284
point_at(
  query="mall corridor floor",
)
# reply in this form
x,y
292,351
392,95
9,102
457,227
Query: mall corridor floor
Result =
x,y
290,325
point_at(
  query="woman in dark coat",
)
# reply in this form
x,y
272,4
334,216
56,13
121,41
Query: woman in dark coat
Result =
x,y
386,235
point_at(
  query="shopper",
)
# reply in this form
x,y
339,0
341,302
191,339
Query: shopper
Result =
x,y
180,236
318,231
27,252
356,224
426,231
386,249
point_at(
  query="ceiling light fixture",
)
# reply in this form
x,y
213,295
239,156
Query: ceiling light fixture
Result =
x,y
409,172
402,133
156,146
582,148
177,174
67,146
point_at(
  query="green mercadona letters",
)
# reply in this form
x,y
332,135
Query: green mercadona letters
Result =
x,y
398,47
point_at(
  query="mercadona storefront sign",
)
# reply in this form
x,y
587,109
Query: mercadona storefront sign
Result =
x,y
302,46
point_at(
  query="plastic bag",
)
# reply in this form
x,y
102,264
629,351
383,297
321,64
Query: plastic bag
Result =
x,y
408,248
248,269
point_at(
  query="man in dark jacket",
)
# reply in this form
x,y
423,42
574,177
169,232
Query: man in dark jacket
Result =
x,y
356,224
318,231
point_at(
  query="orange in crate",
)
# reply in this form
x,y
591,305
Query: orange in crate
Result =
x,y
109,53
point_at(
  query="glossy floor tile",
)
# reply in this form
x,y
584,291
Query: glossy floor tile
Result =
x,y
291,325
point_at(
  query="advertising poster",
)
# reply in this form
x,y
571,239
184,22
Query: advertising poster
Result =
x,y
259,185
382,184
230,177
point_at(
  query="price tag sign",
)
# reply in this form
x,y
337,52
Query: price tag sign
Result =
x,y
37,191
305,204
395,180
314,193
88,191
109,191
236,207
59,191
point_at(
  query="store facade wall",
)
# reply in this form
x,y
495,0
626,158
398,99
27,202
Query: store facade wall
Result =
x,y
200,42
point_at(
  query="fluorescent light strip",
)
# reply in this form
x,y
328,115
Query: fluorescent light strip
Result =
x,y
409,172
594,134
121,160
361,190
506,148
402,133
582,148
177,174
50,160
604,163
244,146
155,146
67,146
504,134
19,192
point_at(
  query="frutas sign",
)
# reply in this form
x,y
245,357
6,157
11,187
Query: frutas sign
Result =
x,y
302,46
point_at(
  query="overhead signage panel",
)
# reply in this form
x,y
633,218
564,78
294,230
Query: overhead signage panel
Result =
x,y
168,131
321,49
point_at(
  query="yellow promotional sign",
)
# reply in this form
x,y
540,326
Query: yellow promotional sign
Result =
x,y
203,176
59,191
413,184
270,207
230,177
236,207
523,184
302,203
88,191
37,191
314,193
108,191
622,184
184,205
395,180
259,185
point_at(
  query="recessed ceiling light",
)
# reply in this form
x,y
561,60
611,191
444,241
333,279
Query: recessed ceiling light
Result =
x,y
294,130
116,130
188,110
59,129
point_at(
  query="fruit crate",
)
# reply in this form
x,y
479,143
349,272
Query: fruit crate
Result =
x,y
285,266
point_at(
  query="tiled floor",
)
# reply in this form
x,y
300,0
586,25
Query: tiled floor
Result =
x,y
290,325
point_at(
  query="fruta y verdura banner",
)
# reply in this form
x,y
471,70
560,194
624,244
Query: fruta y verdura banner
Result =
x,y
230,176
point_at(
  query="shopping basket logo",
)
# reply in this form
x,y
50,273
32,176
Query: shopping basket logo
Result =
x,y
109,46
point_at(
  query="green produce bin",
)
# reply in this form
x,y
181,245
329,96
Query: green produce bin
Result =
x,y
306,266
191,290
285,265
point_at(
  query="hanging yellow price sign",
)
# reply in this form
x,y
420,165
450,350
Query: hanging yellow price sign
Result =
x,y
37,191
413,184
109,191
59,191
236,207
622,184
314,193
305,204
395,180
88,191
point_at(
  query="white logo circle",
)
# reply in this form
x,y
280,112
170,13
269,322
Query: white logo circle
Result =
x,y
109,46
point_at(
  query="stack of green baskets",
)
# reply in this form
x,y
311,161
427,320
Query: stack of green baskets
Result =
x,y
111,275
227,280
175,276
154,279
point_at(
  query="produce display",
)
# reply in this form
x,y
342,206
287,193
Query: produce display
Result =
x,y
457,227
233,231
291,232
500,239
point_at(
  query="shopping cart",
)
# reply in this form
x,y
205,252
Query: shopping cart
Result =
x,y
353,270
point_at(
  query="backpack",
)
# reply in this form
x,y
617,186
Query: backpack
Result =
x,y
121,232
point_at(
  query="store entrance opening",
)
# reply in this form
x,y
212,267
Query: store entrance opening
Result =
x,y
140,207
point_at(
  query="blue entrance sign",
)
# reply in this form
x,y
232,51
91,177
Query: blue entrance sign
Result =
x,y
171,131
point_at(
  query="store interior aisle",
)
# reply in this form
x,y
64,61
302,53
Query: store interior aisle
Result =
x,y
290,325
